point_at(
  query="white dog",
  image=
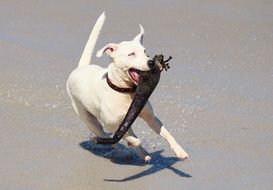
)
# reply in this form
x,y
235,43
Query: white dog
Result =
x,y
102,104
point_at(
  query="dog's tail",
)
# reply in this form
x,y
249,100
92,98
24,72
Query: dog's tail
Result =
x,y
89,47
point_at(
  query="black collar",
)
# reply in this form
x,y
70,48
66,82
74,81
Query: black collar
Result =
x,y
132,89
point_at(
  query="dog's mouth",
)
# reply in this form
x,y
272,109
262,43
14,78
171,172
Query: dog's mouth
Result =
x,y
134,73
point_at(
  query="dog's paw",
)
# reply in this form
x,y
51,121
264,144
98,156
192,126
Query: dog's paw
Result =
x,y
180,153
147,158
92,138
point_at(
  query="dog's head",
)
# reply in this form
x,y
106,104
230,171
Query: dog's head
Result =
x,y
129,56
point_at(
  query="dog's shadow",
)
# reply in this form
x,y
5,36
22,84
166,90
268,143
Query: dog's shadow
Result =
x,y
125,156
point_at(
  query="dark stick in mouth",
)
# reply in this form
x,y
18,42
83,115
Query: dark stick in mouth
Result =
x,y
147,82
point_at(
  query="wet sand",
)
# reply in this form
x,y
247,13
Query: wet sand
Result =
x,y
216,99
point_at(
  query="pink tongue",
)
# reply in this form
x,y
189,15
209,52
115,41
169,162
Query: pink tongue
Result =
x,y
135,76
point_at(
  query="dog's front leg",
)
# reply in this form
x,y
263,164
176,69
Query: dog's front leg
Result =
x,y
148,116
134,142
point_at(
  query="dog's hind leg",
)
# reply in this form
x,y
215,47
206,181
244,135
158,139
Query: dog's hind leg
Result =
x,y
134,142
91,122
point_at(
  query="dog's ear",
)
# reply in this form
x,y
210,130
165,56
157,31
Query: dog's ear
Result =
x,y
140,36
108,49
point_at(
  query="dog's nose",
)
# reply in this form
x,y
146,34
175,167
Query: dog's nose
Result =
x,y
151,64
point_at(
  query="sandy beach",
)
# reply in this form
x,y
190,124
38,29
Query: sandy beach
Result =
x,y
216,99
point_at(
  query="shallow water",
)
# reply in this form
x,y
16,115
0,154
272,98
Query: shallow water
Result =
x,y
216,99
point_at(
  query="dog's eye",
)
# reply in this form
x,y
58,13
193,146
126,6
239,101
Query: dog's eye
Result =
x,y
132,54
